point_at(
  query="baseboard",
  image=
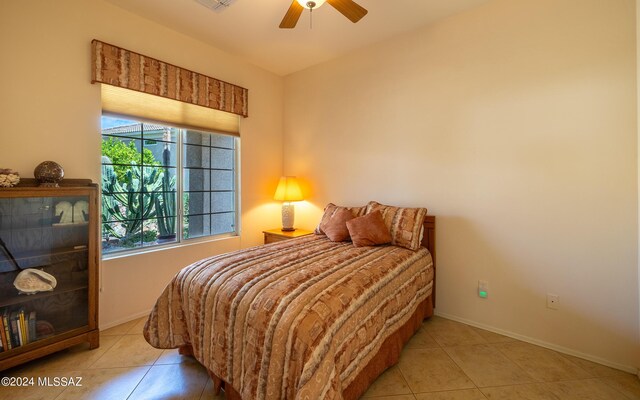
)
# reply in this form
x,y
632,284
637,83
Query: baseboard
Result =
x,y
551,346
542,343
125,319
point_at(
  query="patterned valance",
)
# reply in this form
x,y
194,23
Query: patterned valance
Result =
x,y
124,68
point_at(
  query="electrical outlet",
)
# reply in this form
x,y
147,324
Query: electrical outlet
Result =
x,y
553,301
483,289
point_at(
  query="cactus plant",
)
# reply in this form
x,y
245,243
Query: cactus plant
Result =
x,y
166,206
130,203
166,202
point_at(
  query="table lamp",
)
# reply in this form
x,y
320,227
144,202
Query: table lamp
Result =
x,y
288,191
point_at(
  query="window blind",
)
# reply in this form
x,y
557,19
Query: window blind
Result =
x,y
130,103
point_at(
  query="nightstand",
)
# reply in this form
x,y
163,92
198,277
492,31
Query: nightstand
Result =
x,y
277,235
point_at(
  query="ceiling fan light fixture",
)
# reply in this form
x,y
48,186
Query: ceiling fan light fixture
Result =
x,y
349,8
310,5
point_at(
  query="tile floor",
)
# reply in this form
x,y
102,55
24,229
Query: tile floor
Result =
x,y
445,360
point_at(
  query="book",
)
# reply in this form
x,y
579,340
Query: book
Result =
x,y
32,326
20,338
3,335
19,328
15,335
23,329
7,328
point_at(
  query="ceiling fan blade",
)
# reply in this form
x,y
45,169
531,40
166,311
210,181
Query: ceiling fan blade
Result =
x,y
349,9
292,16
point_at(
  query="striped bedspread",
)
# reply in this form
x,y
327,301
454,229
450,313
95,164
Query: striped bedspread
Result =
x,y
296,319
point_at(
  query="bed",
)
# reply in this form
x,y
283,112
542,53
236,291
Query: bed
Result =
x,y
305,318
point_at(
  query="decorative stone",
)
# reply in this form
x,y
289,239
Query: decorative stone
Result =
x,y
48,173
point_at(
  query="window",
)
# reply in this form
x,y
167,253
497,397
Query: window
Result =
x,y
162,184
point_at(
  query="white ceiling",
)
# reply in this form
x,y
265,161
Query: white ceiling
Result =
x,y
249,28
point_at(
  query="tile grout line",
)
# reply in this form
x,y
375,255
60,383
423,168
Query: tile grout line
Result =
x,y
456,364
204,387
105,352
546,383
59,396
146,373
453,361
139,382
462,370
562,356
402,376
400,370
518,365
616,389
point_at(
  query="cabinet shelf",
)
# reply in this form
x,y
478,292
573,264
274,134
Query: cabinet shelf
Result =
x,y
42,258
69,225
51,253
10,299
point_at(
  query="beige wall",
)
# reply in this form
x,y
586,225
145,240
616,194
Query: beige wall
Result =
x,y
638,142
50,111
515,124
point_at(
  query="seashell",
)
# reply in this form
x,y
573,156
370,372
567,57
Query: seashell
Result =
x,y
8,177
32,281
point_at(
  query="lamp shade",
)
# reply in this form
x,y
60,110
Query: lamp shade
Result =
x,y
288,189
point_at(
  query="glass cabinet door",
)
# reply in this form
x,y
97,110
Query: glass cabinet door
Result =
x,y
48,234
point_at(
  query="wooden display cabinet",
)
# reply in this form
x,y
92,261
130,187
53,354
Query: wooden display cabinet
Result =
x,y
53,229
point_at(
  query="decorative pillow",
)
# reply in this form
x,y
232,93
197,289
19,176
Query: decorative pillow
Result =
x,y
403,223
336,226
369,230
331,209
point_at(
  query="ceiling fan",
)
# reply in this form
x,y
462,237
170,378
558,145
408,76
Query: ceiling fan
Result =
x,y
348,8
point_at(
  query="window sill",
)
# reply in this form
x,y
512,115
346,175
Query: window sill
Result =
x,y
169,246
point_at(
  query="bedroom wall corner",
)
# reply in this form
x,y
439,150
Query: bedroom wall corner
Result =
x,y
515,123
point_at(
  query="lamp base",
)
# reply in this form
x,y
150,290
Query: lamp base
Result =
x,y
288,214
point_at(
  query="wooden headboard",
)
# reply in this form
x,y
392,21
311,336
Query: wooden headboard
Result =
x,y
429,241
429,238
